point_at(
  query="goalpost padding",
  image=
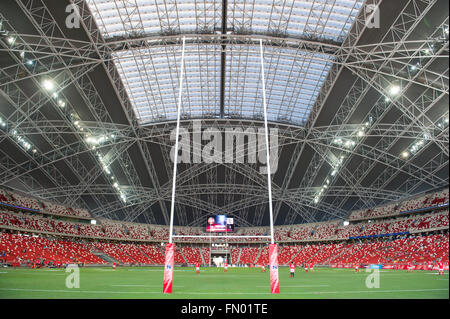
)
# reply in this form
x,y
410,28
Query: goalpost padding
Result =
x,y
168,268
273,262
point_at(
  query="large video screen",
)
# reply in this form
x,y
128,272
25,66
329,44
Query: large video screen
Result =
x,y
220,224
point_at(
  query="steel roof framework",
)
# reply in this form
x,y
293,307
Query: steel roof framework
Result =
x,y
375,67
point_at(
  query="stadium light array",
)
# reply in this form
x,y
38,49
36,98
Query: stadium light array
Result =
x,y
99,140
414,148
107,170
50,86
329,178
20,140
348,144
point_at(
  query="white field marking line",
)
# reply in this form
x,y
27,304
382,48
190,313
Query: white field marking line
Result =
x,y
3,272
83,291
314,292
159,270
305,286
151,286
223,293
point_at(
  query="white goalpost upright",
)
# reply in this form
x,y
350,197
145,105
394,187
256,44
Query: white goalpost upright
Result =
x,y
170,247
273,248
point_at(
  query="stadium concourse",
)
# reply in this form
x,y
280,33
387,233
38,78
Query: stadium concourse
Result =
x,y
413,231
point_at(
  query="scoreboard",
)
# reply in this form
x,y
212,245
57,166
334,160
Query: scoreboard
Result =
x,y
220,224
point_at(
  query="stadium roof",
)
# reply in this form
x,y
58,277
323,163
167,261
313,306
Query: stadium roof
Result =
x,y
86,111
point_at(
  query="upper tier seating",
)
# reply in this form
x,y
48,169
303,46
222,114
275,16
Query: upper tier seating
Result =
x,y
423,201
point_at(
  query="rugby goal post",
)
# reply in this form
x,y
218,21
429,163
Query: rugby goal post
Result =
x,y
170,246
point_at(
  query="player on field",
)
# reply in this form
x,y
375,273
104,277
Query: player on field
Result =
x,y
114,265
441,267
409,267
197,268
356,267
225,266
263,268
292,270
306,267
311,267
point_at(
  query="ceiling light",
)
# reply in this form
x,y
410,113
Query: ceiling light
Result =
x,y
360,133
405,154
394,90
48,85
11,40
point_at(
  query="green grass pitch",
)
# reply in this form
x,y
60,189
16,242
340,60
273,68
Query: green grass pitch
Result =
x,y
247,283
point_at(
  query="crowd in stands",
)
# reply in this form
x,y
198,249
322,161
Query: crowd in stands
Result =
x,y
153,252
56,209
206,253
124,241
319,231
263,258
114,252
23,249
423,201
178,257
249,255
15,199
137,231
286,253
135,253
192,255
18,200
417,249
